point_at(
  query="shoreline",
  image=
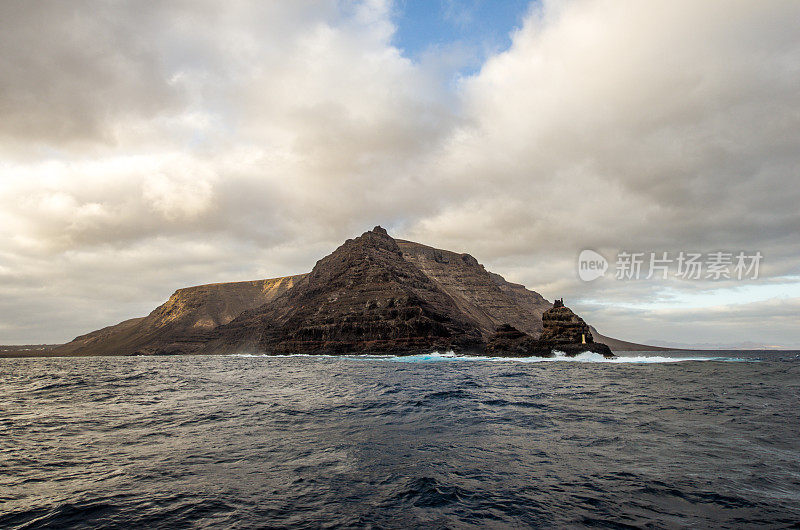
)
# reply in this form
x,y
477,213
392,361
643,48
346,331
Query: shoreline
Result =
x,y
24,354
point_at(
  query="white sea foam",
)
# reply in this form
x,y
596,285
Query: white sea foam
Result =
x,y
585,357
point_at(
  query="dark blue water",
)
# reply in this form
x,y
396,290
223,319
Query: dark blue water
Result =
x,y
428,442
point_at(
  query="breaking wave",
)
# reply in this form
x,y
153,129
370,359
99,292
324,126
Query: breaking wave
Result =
x,y
585,357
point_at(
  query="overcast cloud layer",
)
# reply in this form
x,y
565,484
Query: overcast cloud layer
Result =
x,y
149,147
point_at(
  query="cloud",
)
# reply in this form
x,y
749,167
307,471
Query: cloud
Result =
x,y
623,125
640,112
147,147
69,69
764,323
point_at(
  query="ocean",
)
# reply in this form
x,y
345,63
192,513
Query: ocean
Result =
x,y
659,440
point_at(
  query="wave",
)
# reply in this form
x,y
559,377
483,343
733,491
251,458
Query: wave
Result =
x,y
585,357
589,357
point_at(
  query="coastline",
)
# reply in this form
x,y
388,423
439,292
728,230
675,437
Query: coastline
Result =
x,y
27,354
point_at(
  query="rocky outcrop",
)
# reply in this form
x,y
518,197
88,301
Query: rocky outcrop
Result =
x,y
562,326
563,331
508,341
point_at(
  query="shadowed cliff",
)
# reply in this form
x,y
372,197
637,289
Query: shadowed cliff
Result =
x,y
364,297
487,298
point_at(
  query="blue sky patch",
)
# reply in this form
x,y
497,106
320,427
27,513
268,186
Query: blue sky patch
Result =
x,y
470,30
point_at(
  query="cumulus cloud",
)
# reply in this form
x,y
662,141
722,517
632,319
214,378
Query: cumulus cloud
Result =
x,y
146,147
626,125
645,116
71,69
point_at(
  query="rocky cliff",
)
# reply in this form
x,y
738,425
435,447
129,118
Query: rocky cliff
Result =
x,y
563,331
486,298
562,326
364,297
372,294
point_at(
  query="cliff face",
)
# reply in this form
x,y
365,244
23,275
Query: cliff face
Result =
x,y
364,297
533,304
485,298
373,294
209,306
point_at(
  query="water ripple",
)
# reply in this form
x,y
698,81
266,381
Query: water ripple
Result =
x,y
435,441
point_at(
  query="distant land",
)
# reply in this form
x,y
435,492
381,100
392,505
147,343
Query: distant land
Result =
x,y
746,345
26,350
373,294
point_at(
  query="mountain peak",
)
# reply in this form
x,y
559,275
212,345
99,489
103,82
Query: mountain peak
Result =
x,y
374,240
363,297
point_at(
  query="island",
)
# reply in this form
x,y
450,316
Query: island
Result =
x,y
372,295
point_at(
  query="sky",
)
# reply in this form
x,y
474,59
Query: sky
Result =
x,y
150,146
461,34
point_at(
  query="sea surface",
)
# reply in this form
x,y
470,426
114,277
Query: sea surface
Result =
x,y
665,440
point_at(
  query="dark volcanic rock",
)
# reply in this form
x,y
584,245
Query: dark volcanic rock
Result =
x,y
564,331
562,326
485,298
574,349
509,341
364,297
